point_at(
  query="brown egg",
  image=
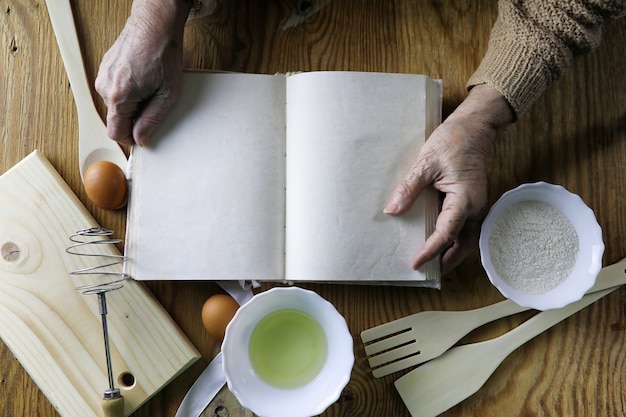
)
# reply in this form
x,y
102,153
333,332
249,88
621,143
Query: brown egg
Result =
x,y
105,184
217,311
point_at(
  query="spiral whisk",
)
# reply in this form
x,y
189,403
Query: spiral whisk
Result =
x,y
84,242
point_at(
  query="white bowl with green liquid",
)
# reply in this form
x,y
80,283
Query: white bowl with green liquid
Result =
x,y
287,353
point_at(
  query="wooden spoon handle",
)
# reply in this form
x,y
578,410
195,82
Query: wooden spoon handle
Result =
x,y
60,12
93,142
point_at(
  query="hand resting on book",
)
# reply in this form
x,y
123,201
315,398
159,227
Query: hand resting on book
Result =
x,y
454,160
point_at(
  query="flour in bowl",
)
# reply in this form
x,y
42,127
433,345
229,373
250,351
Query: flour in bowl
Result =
x,y
533,247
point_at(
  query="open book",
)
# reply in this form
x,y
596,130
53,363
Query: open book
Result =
x,y
274,177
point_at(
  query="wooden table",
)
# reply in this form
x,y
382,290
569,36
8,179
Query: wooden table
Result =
x,y
575,136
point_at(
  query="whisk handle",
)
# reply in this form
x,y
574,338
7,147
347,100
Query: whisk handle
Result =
x,y
113,407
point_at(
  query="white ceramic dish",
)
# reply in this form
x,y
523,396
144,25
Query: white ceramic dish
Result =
x,y
270,401
590,245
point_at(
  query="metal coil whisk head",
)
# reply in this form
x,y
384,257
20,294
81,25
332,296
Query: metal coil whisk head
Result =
x,y
84,241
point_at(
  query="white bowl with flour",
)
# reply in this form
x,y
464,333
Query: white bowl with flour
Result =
x,y
541,246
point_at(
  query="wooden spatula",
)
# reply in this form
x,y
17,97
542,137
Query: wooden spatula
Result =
x,y
420,337
449,379
452,377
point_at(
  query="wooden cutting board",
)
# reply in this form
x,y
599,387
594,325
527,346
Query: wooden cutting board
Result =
x,y
55,331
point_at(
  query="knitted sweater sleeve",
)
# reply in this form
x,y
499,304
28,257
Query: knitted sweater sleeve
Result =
x,y
534,41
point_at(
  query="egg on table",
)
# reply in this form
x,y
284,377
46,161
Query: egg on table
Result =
x,y
217,311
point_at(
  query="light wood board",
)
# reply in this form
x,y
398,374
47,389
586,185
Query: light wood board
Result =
x,y
54,330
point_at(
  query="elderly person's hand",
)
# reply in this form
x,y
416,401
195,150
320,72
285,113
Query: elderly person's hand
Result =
x,y
139,77
455,161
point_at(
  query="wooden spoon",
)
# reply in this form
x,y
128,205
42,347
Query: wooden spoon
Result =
x,y
93,143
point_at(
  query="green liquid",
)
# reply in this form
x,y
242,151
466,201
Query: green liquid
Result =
x,y
287,348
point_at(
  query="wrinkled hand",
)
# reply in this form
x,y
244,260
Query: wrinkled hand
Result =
x,y
455,161
139,77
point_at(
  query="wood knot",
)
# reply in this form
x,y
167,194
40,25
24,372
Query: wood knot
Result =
x,y
221,411
10,252
13,47
303,7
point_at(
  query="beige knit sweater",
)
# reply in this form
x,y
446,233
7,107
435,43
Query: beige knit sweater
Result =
x,y
534,41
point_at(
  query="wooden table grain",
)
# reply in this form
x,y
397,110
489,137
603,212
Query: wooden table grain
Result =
x,y
575,135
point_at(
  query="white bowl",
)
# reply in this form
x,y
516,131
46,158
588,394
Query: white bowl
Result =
x,y
590,246
269,400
